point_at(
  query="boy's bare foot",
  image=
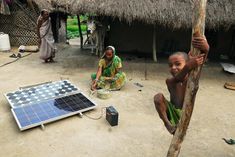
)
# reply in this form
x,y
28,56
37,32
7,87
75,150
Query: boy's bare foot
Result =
x,y
171,129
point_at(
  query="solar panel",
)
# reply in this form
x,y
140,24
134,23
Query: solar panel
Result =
x,y
43,110
40,93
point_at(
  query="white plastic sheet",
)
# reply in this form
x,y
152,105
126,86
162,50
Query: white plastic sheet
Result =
x,y
228,67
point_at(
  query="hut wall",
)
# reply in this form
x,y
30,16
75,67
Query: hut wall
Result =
x,y
138,38
221,43
21,29
130,38
169,41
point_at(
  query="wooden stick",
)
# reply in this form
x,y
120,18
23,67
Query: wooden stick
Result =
x,y
192,84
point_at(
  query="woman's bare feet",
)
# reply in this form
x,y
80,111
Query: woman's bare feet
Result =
x,y
51,60
94,85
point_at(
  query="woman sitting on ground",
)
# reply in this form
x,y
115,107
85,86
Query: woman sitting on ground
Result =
x,y
109,75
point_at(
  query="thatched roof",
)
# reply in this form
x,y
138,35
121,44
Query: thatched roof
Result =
x,y
44,4
171,13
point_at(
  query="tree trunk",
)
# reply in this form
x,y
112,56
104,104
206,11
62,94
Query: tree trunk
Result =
x,y
192,84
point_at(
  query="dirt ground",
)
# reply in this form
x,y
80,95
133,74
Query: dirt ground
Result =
x,y
140,132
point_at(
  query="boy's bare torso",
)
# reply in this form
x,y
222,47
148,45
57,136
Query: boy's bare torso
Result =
x,y
177,92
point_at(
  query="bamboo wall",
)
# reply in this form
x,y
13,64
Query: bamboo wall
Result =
x,y
20,27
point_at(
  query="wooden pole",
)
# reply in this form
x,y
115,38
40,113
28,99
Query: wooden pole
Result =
x,y
57,24
154,44
101,31
198,24
80,31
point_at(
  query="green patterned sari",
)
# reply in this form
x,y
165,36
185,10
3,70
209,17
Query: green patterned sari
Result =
x,y
111,70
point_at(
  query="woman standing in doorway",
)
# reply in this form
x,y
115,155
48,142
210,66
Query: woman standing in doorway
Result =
x,y
45,35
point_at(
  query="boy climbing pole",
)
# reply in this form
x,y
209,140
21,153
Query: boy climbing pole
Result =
x,y
180,64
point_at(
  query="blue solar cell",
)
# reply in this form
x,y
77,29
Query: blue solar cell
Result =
x,y
34,120
24,123
28,109
61,112
36,107
23,118
43,116
18,111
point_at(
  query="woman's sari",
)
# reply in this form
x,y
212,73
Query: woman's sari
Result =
x,y
111,70
47,47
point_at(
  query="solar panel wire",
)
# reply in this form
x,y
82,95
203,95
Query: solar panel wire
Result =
x,y
97,118
14,60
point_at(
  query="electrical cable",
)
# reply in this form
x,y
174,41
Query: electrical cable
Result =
x,y
97,118
14,60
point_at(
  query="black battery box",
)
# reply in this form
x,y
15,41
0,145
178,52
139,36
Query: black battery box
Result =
x,y
112,116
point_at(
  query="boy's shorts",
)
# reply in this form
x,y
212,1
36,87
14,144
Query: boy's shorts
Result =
x,y
173,113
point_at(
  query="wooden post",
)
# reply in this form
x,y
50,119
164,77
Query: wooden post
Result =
x,y
57,24
101,31
98,48
154,44
66,31
192,84
80,32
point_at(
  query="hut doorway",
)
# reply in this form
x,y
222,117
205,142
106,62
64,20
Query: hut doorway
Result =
x,y
58,21
84,28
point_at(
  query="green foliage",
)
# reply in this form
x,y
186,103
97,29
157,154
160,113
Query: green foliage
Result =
x,y
83,18
72,22
72,26
72,35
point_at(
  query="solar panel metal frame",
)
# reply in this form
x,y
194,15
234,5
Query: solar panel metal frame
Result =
x,y
51,119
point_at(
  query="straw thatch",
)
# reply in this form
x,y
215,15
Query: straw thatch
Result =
x,y
44,4
171,13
